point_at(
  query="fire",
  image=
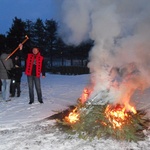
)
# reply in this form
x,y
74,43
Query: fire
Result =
x,y
117,115
73,117
130,108
85,95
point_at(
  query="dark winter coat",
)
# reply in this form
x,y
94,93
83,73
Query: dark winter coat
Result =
x,y
17,71
17,74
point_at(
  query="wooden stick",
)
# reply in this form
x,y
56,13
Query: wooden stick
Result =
x,y
26,38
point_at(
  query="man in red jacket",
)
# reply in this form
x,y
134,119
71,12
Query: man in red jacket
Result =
x,y
34,67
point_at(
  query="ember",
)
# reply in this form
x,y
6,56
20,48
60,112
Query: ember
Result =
x,y
117,115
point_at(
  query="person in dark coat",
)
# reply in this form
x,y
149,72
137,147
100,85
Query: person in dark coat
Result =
x,y
16,79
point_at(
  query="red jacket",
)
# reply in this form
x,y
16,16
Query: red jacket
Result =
x,y
31,58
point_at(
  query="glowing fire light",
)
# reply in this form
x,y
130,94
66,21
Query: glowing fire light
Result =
x,y
85,95
73,117
131,108
117,115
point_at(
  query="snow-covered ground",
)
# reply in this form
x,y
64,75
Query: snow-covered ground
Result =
x,y
24,127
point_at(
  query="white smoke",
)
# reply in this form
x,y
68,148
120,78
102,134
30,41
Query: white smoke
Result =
x,y
121,33
76,20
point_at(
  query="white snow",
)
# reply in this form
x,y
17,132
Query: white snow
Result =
x,y
24,127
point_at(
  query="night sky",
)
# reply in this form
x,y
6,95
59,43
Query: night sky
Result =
x,y
26,10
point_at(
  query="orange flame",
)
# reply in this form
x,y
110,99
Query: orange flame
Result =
x,y
73,117
85,95
117,115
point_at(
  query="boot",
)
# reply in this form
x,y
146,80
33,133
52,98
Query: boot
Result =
x,y
18,94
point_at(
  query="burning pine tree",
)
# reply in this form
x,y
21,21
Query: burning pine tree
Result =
x,y
92,117
104,121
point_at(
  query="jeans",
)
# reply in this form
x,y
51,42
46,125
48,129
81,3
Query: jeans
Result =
x,y
5,89
34,81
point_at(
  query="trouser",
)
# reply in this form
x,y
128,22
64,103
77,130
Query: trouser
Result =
x,y
15,86
5,88
34,81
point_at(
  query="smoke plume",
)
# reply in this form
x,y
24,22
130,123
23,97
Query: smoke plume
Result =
x,y
121,33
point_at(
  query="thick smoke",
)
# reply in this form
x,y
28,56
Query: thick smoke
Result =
x,y
121,33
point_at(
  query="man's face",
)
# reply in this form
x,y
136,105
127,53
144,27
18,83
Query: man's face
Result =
x,y
35,51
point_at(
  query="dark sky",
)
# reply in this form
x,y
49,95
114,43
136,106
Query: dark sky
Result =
x,y
26,9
